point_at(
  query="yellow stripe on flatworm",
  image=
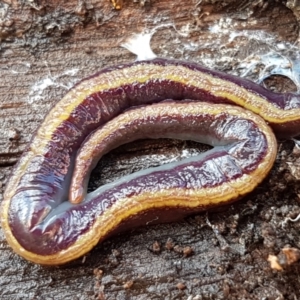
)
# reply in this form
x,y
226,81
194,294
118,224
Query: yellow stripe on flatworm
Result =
x,y
175,109
134,74
125,208
195,200
180,74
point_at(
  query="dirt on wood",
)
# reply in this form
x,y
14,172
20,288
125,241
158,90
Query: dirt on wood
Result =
x,y
47,46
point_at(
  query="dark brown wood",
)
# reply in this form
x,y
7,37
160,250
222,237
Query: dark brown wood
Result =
x,y
46,46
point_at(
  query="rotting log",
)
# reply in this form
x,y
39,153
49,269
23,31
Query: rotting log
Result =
x,y
46,46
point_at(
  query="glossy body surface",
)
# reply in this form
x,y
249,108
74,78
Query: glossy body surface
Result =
x,y
38,220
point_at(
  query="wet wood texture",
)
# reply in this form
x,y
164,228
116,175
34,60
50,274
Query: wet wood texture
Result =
x,y
46,46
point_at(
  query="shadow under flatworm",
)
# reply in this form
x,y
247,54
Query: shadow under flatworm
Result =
x,y
139,155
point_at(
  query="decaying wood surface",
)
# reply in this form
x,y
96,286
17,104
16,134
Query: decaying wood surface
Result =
x,y
46,46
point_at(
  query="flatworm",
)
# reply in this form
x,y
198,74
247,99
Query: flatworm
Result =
x,y
44,227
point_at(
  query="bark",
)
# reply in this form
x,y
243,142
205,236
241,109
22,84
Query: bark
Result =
x,y
46,46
